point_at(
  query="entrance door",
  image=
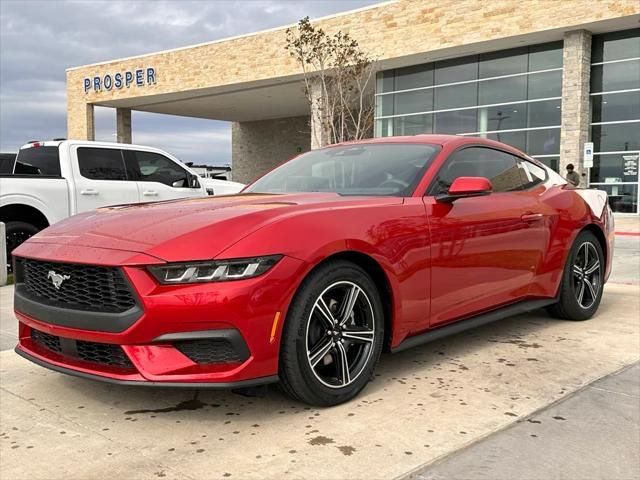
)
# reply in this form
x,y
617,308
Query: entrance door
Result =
x,y
484,250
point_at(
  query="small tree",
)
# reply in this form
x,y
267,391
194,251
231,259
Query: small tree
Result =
x,y
338,81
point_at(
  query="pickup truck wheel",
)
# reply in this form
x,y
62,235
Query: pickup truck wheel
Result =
x,y
18,232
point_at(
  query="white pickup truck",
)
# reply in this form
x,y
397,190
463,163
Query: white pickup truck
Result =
x,y
53,180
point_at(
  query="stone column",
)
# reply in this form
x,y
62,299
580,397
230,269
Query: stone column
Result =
x,y
576,75
123,125
80,121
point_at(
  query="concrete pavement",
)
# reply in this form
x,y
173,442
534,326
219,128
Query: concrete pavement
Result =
x,y
423,404
472,391
594,434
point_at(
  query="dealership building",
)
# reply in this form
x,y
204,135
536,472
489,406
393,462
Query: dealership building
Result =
x,y
546,76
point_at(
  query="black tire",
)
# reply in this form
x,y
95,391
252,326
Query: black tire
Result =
x,y
298,378
17,232
571,306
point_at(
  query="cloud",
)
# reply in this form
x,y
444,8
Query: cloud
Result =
x,y
40,39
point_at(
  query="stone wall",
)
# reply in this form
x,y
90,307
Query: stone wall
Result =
x,y
388,30
257,147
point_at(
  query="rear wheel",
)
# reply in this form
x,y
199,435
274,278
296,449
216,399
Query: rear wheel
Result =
x,y
333,335
582,280
17,232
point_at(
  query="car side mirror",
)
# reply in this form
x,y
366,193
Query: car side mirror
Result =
x,y
178,183
464,187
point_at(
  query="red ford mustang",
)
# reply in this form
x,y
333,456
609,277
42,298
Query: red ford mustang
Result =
x,y
314,269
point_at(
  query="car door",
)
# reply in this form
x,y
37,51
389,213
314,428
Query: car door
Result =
x,y
161,178
100,178
483,252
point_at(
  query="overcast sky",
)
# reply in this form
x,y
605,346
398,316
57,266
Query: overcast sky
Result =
x,y
40,39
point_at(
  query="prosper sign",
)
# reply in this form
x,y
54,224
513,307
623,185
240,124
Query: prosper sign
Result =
x,y
119,80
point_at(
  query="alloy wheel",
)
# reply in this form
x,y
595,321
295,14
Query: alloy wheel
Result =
x,y
340,334
587,278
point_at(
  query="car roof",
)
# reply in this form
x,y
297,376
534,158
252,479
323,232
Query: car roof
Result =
x,y
436,139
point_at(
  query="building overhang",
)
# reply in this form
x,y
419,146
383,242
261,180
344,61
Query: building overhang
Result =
x,y
253,77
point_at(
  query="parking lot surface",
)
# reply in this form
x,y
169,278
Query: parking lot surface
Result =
x,y
423,404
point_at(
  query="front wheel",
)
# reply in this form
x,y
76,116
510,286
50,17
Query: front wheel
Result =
x,y
582,280
333,335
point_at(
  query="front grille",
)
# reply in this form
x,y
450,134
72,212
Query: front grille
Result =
x,y
84,287
99,353
210,350
103,353
50,342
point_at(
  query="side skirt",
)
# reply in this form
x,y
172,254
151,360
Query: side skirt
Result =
x,y
473,322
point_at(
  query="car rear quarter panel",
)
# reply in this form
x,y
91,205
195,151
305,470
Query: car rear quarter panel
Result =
x,y
567,212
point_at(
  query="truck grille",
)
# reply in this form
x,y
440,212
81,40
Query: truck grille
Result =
x,y
85,287
100,353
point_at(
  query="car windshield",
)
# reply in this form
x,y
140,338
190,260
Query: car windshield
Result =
x,y
391,169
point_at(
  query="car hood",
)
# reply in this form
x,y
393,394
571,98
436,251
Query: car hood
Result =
x,y
190,229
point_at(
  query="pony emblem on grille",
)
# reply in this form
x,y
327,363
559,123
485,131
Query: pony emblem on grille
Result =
x,y
57,279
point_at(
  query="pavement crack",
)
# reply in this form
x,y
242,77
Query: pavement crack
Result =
x,y
614,392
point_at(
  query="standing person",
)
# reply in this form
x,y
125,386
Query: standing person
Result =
x,y
572,176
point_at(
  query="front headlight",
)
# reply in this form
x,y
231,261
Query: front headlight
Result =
x,y
213,271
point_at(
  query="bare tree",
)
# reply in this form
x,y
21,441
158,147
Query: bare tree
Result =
x,y
338,80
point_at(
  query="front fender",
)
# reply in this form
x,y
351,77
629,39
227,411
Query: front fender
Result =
x,y
395,236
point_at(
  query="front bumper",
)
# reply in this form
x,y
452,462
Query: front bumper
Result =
x,y
162,346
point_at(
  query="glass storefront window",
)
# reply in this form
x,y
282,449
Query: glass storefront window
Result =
x,y
456,70
458,121
384,105
503,90
504,117
615,106
384,127
544,113
545,85
615,117
616,137
622,198
456,96
552,162
506,62
543,142
413,125
545,57
385,81
413,102
615,76
478,94
416,76
616,46
615,168
515,139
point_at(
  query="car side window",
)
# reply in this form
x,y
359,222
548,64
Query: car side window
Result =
x,y
499,167
101,163
531,173
153,167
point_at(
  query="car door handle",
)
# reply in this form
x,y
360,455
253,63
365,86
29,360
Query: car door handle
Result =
x,y
531,217
89,191
150,193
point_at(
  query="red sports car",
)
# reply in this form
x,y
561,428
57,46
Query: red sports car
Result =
x,y
308,274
